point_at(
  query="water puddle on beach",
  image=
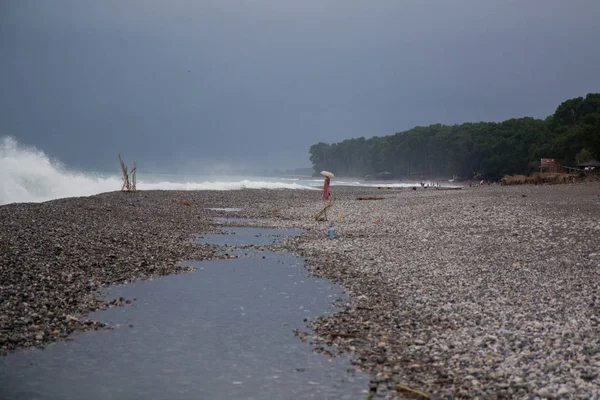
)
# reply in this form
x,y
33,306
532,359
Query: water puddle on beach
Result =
x,y
222,332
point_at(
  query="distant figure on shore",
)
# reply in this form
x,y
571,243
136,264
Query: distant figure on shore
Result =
x,y
328,175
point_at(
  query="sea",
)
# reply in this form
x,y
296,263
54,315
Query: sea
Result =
x,y
27,174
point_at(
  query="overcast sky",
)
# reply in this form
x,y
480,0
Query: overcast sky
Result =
x,y
175,84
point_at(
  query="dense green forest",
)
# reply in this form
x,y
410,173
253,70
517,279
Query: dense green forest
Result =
x,y
490,149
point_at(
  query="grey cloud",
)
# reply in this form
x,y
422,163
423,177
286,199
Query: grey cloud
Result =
x,y
258,82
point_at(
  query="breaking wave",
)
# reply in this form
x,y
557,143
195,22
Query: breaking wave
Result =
x,y
29,175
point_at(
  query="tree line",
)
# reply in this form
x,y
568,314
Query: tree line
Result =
x,y
490,149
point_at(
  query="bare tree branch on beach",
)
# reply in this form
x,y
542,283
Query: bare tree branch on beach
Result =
x,y
128,178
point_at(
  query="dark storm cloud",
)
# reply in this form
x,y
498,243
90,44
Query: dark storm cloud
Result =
x,y
181,83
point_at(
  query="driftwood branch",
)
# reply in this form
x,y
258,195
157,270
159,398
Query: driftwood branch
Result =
x,y
322,215
128,177
402,388
132,177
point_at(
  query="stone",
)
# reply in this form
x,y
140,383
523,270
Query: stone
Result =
x,y
545,393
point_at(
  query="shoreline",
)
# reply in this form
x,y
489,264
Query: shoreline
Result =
x,y
484,291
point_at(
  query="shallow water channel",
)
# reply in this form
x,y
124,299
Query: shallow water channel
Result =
x,y
222,332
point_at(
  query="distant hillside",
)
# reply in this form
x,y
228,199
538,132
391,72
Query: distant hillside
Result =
x,y
492,149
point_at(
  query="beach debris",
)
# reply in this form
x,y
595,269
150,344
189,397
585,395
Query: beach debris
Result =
x,y
322,215
377,222
185,203
69,318
331,232
370,198
516,265
340,215
404,388
128,177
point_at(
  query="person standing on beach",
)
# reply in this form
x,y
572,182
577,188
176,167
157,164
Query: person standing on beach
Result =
x,y
326,188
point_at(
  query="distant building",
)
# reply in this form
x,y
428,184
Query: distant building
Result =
x,y
552,165
590,165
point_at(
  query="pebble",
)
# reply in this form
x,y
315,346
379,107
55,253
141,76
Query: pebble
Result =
x,y
562,391
545,393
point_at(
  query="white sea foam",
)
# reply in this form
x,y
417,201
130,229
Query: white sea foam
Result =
x,y
220,185
29,175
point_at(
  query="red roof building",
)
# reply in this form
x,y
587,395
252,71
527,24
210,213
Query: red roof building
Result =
x,y
552,165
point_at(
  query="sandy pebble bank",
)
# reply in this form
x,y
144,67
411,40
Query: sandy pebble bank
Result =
x,y
488,291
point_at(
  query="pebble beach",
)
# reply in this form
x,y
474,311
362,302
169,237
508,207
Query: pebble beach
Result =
x,y
487,292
